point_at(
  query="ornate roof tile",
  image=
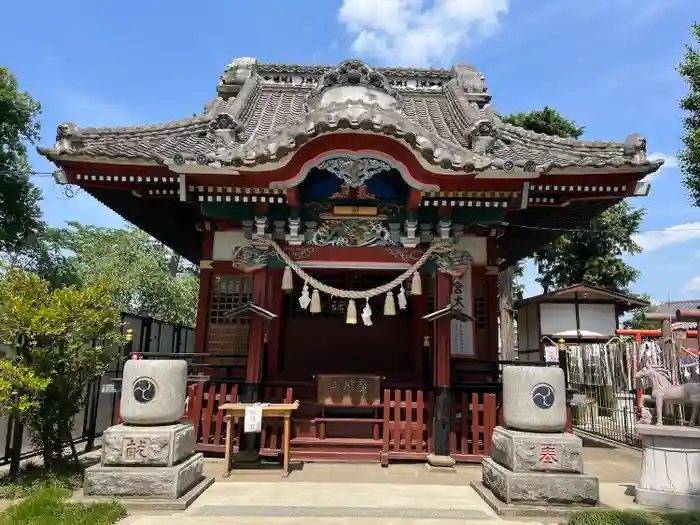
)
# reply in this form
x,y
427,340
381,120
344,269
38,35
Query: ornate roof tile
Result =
x,y
264,112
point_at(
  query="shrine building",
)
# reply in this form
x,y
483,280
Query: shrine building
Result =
x,y
349,224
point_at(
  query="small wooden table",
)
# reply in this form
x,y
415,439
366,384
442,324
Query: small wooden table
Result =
x,y
268,410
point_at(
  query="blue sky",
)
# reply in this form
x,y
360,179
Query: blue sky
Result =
x,y
608,64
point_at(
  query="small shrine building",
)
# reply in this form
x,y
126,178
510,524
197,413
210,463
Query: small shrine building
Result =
x,y
359,218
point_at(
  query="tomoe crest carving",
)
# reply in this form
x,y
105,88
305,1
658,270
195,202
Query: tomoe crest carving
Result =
x,y
543,395
144,390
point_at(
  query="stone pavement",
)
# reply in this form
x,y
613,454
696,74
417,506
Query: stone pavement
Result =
x,y
367,494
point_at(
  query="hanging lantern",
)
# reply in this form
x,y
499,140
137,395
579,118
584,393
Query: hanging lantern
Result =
x,y
389,307
287,280
416,284
351,315
315,302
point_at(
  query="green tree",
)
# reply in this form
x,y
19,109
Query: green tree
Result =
x,y
547,121
689,157
146,277
593,255
63,339
20,217
636,320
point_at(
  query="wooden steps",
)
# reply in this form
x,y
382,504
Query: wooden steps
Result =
x,y
336,442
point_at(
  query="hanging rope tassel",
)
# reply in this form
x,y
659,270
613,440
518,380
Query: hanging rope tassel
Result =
x,y
389,307
287,280
315,302
401,299
351,316
416,284
367,314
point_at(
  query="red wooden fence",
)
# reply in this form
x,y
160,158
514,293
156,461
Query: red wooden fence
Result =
x,y
407,423
407,426
472,423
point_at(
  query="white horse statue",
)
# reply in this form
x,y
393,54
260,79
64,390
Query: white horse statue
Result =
x,y
664,391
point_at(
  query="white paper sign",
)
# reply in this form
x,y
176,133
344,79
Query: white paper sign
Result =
x,y
462,333
551,354
252,421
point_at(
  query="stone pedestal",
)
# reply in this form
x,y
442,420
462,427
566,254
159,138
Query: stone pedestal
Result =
x,y
149,459
670,471
535,452
535,466
551,488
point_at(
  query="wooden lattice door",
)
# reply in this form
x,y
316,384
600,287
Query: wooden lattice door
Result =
x,y
229,336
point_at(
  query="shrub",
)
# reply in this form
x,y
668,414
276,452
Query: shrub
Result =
x,y
634,517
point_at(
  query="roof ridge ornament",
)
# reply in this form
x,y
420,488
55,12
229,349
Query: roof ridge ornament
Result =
x,y
352,73
65,133
236,73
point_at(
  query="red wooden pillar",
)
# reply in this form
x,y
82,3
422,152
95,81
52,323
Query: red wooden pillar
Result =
x,y
492,306
206,275
256,335
275,299
441,359
441,366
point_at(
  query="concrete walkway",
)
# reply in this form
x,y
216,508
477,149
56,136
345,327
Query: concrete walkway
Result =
x,y
367,494
339,503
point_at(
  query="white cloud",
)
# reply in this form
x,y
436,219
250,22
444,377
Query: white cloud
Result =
x,y
694,284
670,161
418,32
653,240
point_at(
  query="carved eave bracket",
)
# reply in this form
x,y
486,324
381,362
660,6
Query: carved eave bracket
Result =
x,y
453,261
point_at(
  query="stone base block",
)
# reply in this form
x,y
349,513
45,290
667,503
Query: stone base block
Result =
x,y
152,482
555,513
529,451
161,446
539,487
665,499
136,503
670,473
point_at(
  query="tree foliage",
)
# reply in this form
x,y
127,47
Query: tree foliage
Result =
x,y
636,320
689,157
145,277
20,217
593,255
63,340
547,121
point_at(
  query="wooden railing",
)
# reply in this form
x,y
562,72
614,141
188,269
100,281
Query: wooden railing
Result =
x,y
407,425
472,422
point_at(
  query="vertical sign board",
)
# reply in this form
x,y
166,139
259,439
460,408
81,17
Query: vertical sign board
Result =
x,y
462,333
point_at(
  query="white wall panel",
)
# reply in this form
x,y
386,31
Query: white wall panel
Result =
x,y
557,317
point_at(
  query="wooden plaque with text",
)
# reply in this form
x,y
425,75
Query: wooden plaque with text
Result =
x,y
348,390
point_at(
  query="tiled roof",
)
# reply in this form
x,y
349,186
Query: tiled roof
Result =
x,y
265,111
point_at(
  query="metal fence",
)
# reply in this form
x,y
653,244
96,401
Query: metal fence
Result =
x,y
150,335
604,375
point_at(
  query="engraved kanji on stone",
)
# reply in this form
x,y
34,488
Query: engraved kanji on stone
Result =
x,y
135,449
548,455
